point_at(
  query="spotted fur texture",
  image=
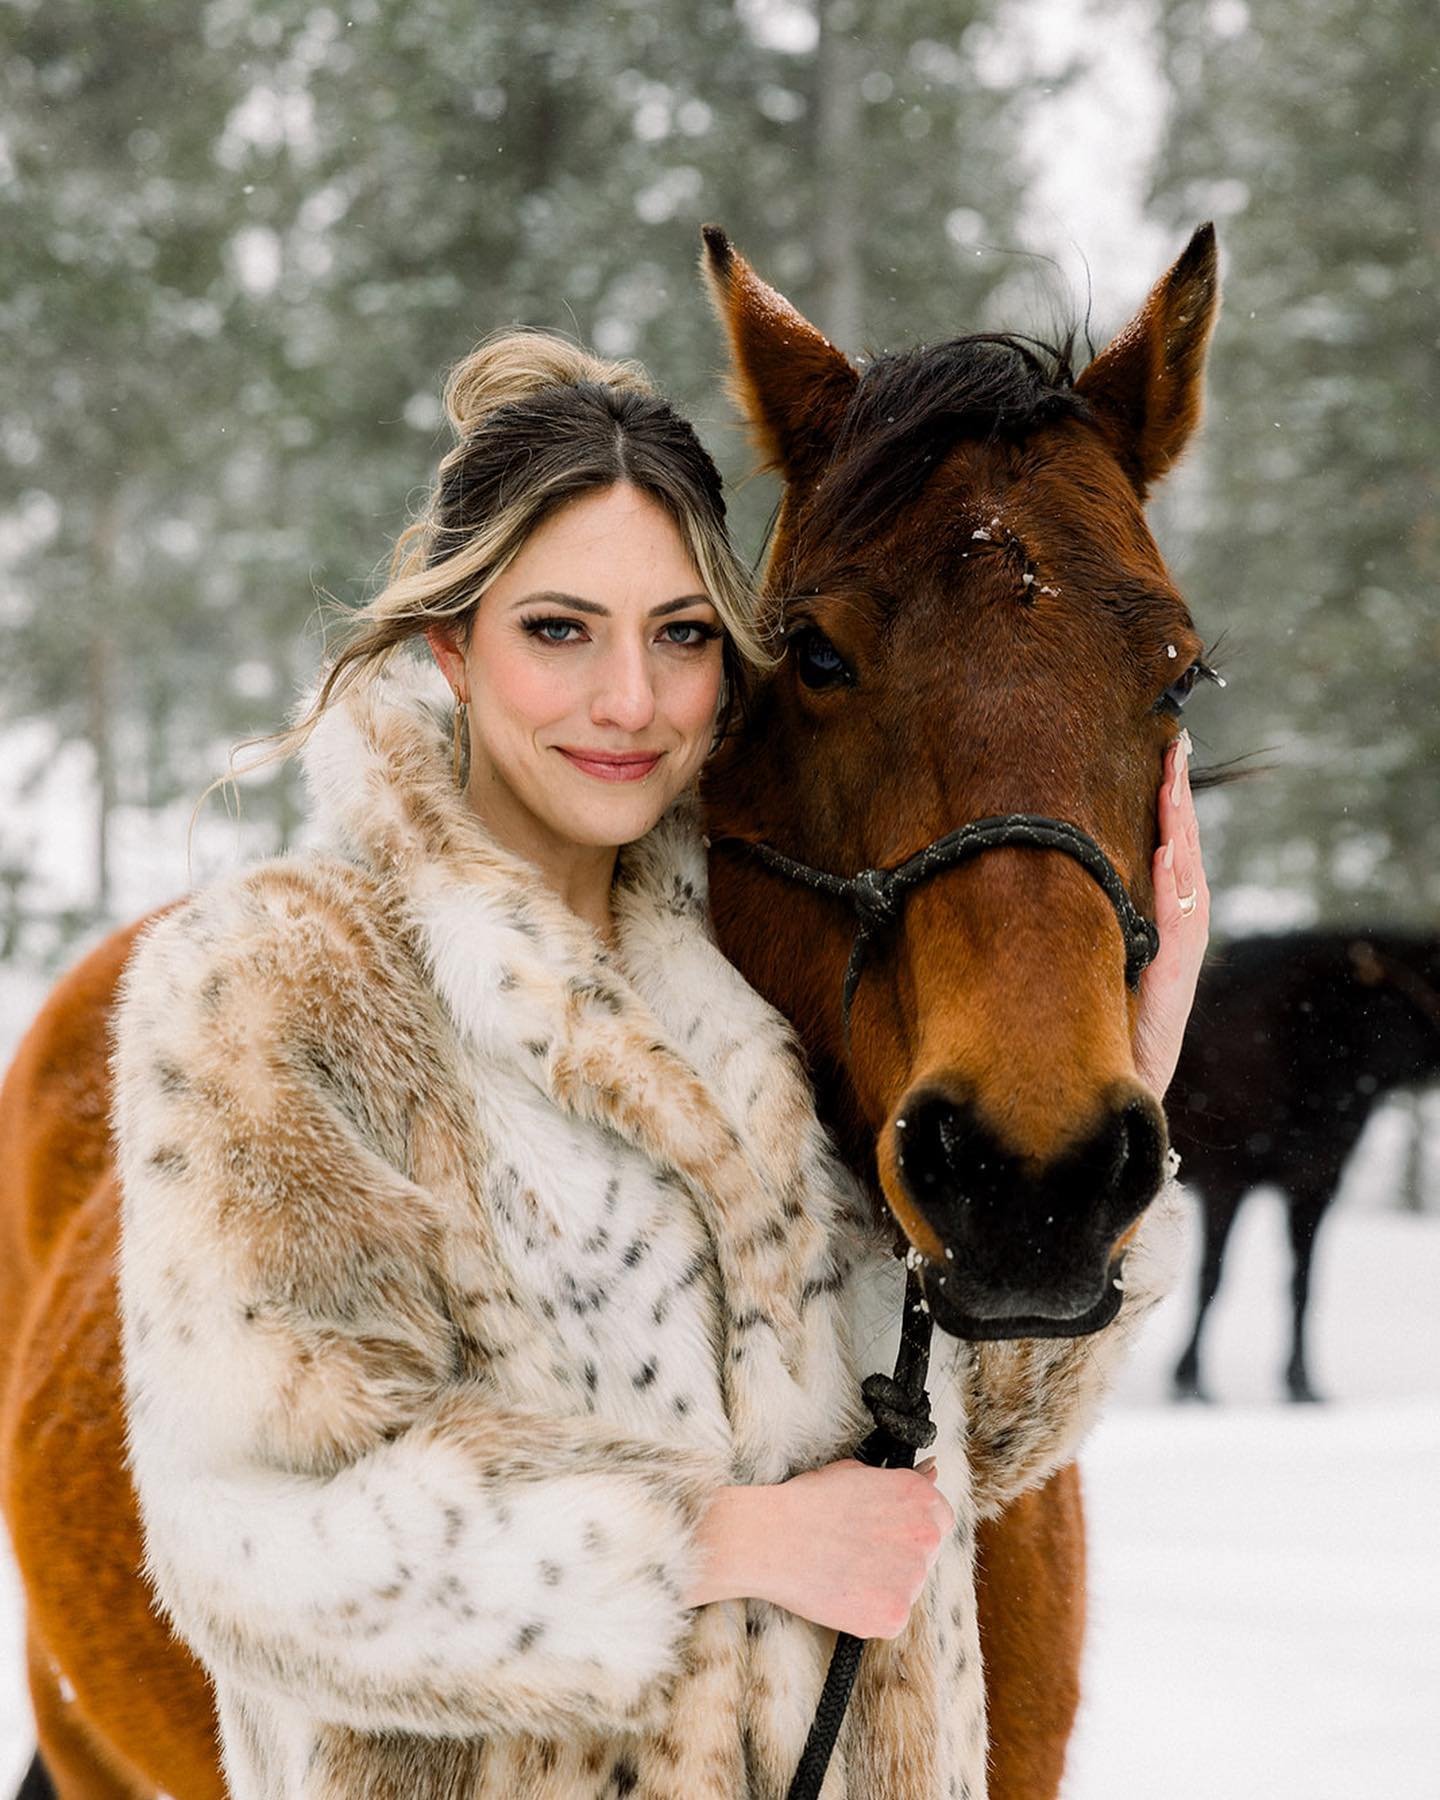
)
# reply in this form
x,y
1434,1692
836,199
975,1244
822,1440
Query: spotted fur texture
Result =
x,y
461,1260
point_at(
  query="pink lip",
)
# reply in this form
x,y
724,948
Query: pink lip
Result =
x,y
626,765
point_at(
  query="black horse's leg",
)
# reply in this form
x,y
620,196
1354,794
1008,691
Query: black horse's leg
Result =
x,y
1218,1209
37,1784
1304,1213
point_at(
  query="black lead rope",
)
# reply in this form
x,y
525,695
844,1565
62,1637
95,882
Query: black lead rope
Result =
x,y
900,1406
877,894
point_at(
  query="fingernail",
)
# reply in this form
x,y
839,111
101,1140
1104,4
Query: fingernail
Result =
x,y
1167,861
1184,739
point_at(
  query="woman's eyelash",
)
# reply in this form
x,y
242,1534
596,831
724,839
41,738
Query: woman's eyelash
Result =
x,y
536,628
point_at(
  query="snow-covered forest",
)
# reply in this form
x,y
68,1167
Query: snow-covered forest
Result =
x,y
241,243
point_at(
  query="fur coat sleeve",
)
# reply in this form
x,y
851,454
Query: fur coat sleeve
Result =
x,y
330,1506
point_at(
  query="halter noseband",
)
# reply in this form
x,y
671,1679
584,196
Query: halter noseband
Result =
x,y
878,894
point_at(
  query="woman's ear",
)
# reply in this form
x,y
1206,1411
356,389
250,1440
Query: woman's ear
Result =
x,y
452,662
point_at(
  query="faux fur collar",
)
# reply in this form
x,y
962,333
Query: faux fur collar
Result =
x,y
663,1042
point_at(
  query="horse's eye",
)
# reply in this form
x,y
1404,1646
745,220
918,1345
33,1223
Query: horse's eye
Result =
x,y
1179,691
817,661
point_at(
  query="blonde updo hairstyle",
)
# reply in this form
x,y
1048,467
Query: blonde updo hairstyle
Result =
x,y
538,422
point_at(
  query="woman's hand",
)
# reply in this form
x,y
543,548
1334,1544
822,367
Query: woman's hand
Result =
x,y
846,1546
1182,913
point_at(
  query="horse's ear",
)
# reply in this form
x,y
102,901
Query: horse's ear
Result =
x,y
1145,385
788,380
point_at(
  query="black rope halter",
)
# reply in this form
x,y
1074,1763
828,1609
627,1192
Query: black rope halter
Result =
x,y
877,895
899,1403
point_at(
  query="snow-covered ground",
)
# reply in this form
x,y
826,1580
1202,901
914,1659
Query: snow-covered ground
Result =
x,y
1265,1586
1265,1579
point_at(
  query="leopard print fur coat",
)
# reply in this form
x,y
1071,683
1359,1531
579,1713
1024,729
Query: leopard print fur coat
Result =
x,y
462,1258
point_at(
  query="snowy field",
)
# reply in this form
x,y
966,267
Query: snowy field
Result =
x,y
1265,1579
1265,1594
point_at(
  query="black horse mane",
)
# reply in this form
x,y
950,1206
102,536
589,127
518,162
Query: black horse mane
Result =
x,y
910,406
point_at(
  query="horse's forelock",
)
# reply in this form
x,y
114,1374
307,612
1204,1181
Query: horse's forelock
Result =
x,y
910,406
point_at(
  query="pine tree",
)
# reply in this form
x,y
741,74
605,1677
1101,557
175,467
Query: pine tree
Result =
x,y
1311,128
244,244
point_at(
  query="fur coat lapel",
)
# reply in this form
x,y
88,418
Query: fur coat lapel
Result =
x,y
664,1043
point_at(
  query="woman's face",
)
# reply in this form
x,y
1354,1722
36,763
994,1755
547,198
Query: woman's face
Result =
x,y
593,675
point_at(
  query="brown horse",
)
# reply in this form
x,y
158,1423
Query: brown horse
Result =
x,y
979,622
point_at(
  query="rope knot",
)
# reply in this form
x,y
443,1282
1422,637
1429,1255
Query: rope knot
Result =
x,y
899,1413
874,897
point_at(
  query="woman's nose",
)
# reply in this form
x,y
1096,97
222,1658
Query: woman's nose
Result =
x,y
625,697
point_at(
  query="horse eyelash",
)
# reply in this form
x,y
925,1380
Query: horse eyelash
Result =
x,y
1207,670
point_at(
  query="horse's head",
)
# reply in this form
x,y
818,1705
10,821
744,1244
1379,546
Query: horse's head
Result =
x,y
978,623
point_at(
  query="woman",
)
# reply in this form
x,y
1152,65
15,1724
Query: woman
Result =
x,y
486,1281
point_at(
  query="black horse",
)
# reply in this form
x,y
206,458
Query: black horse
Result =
x,y
1293,1038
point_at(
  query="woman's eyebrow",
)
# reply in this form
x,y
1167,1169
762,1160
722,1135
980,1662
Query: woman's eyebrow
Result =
x,y
552,598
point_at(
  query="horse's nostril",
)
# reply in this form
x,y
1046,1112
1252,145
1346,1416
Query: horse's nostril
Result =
x,y
942,1146
1138,1163
955,1140
1122,1150
948,1146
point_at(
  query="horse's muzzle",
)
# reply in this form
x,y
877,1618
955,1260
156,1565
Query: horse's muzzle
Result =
x,y
1027,1253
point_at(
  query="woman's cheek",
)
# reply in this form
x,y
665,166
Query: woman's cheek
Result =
x,y
535,689
691,699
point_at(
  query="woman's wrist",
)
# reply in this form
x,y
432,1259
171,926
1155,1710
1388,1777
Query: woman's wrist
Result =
x,y
1155,1065
735,1532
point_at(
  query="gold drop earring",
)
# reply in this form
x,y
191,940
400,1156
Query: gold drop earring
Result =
x,y
459,739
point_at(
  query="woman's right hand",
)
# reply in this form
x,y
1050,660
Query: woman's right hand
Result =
x,y
846,1545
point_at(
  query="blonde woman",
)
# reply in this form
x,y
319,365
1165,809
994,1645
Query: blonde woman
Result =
x,y
485,1275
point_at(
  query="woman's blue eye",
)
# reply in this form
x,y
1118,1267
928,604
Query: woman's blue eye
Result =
x,y
544,628
705,632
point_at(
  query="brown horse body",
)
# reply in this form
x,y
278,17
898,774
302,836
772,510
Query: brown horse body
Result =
x,y
121,1707
1007,635
979,623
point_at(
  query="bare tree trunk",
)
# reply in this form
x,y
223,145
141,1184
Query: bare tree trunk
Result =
x,y
1412,1182
100,656
838,153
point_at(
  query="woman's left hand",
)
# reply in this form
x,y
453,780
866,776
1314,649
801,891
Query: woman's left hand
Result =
x,y
1182,914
